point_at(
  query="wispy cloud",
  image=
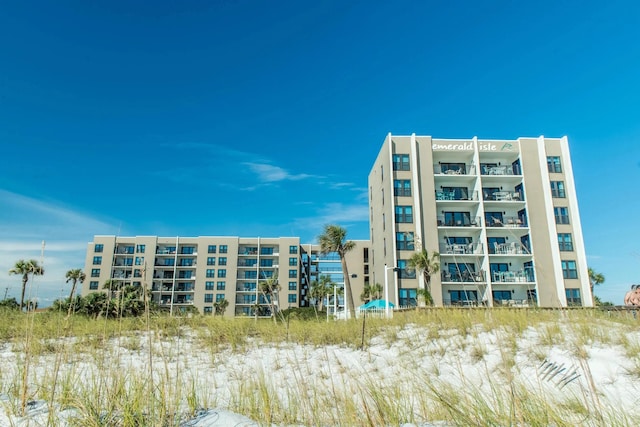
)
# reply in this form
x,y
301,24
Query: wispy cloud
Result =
x,y
356,215
26,223
270,173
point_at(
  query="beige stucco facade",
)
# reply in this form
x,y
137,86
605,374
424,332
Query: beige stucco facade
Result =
x,y
184,272
503,214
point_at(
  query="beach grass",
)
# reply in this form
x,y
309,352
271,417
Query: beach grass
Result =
x,y
451,366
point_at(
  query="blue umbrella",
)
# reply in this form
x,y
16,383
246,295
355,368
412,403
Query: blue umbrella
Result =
x,y
376,304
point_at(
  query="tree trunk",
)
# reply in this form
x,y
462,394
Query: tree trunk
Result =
x,y
73,290
347,287
25,279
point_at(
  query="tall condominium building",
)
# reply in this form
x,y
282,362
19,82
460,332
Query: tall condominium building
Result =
x,y
183,272
502,214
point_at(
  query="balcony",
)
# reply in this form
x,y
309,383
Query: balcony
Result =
x,y
513,248
507,221
165,251
454,169
246,287
498,170
457,195
459,222
503,196
463,277
520,276
462,249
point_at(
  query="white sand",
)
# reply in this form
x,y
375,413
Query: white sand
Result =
x,y
472,362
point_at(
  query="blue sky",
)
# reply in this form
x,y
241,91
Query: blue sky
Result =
x,y
263,118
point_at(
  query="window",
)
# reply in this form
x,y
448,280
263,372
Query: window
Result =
x,y
184,274
573,297
211,272
557,189
99,247
404,271
187,250
293,286
250,274
493,219
222,260
266,250
211,249
97,260
139,260
569,270
140,248
293,274
266,263
457,219
401,162
293,249
461,297
208,310
293,262
453,193
95,272
453,168
222,272
501,295
223,249
93,285
221,286
401,187
219,297
208,297
565,242
137,273
208,286
408,297
404,214
404,241
211,260
128,261
293,298
562,215
553,164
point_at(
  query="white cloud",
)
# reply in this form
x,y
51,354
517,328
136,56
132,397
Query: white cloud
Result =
x,y
271,173
26,223
348,216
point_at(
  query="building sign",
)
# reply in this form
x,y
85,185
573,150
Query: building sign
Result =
x,y
454,146
469,146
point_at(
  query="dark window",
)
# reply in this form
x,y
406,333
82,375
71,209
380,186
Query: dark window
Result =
x,y
457,218
494,219
266,263
208,286
404,214
266,250
293,249
97,260
408,297
222,260
460,297
401,162
211,272
220,297
293,286
402,187
95,272
404,272
208,297
487,192
292,298
562,215
404,241
222,272
493,242
93,285
223,249
211,260
293,274
453,168
569,270
187,250
293,262
565,242
553,164
211,249
573,297
99,247
140,248
501,295
220,286
557,189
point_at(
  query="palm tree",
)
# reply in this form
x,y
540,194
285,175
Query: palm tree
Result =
x,y
270,289
333,239
320,289
220,307
24,268
595,278
74,276
371,292
426,264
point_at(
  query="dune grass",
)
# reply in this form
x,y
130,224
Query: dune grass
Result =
x,y
456,366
